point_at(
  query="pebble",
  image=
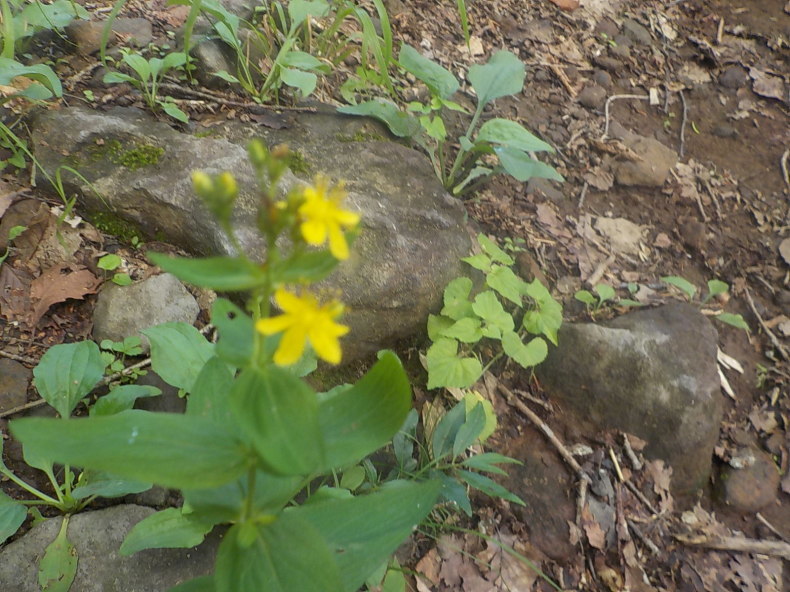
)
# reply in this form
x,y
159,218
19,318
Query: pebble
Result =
x,y
593,97
733,77
607,63
620,51
555,99
542,76
607,27
636,32
724,130
752,487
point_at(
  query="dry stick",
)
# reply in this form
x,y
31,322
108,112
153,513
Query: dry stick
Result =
x,y
783,164
222,100
683,123
779,347
23,359
583,194
720,31
771,527
606,109
735,543
635,462
642,498
641,536
596,275
563,79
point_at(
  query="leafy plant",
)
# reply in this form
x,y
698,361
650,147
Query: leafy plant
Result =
x,y
465,321
716,288
604,295
114,354
13,232
111,262
505,142
254,435
147,75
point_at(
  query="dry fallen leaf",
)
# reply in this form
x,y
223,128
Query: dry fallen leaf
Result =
x,y
784,250
767,85
566,5
57,284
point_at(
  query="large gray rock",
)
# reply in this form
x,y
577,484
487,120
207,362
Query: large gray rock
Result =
x,y
97,536
124,311
650,373
413,232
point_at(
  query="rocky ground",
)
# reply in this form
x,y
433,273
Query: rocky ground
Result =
x,y
671,126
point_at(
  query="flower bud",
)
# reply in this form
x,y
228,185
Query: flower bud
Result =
x,y
258,153
202,184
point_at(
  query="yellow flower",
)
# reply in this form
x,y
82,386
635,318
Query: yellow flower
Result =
x,y
304,319
323,217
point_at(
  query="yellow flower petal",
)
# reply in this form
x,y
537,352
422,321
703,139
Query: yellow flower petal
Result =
x,y
291,346
337,243
273,325
314,232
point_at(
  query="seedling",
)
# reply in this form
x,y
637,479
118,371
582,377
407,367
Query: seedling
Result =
x,y
715,288
14,232
111,262
605,295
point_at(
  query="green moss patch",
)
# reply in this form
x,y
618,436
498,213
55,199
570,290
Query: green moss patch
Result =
x,y
133,157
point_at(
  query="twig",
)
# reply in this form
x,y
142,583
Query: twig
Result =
x,y
635,462
222,100
563,79
596,275
583,194
736,543
783,164
616,465
606,109
779,347
640,535
641,497
23,359
683,123
529,397
720,31
771,527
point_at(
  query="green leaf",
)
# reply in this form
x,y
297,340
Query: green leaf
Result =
x,y
202,584
139,64
453,491
447,369
522,167
735,320
109,262
224,274
492,250
446,431
716,287
364,531
506,283
511,134
304,82
105,484
122,279
466,330
682,284
58,566
527,355
310,266
302,60
173,111
436,325
300,10
121,398
210,396
236,333
67,373
586,297
12,515
173,60
168,529
399,122
278,414
178,353
456,299
488,307
488,462
503,75
489,487
479,261
438,79
119,78
167,449
471,430
287,555
605,292
471,400
353,477
359,420
42,74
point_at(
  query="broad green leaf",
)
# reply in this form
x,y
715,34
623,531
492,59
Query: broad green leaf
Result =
x,y
434,127
227,77
42,74
544,321
303,81
121,398
302,60
479,261
67,373
466,330
527,355
109,262
210,396
453,491
605,292
56,15
716,287
167,529
300,10
522,167
488,462
118,78
224,274
178,353
58,566
139,64
492,250
471,400
236,333
506,283
511,134
122,279
437,324
475,173
456,299
173,60
278,414
470,430
735,320
173,111
364,531
12,515
106,485
438,79
682,284
311,266
503,75
202,584
446,431
359,420
287,555
163,448
447,369
586,297
353,477
488,307
489,487
399,122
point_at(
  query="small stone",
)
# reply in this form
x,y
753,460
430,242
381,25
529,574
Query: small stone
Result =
x,y
636,32
544,186
87,35
752,487
607,63
602,78
724,130
652,168
694,234
734,77
593,97
607,27
621,48
555,99
541,76
14,380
